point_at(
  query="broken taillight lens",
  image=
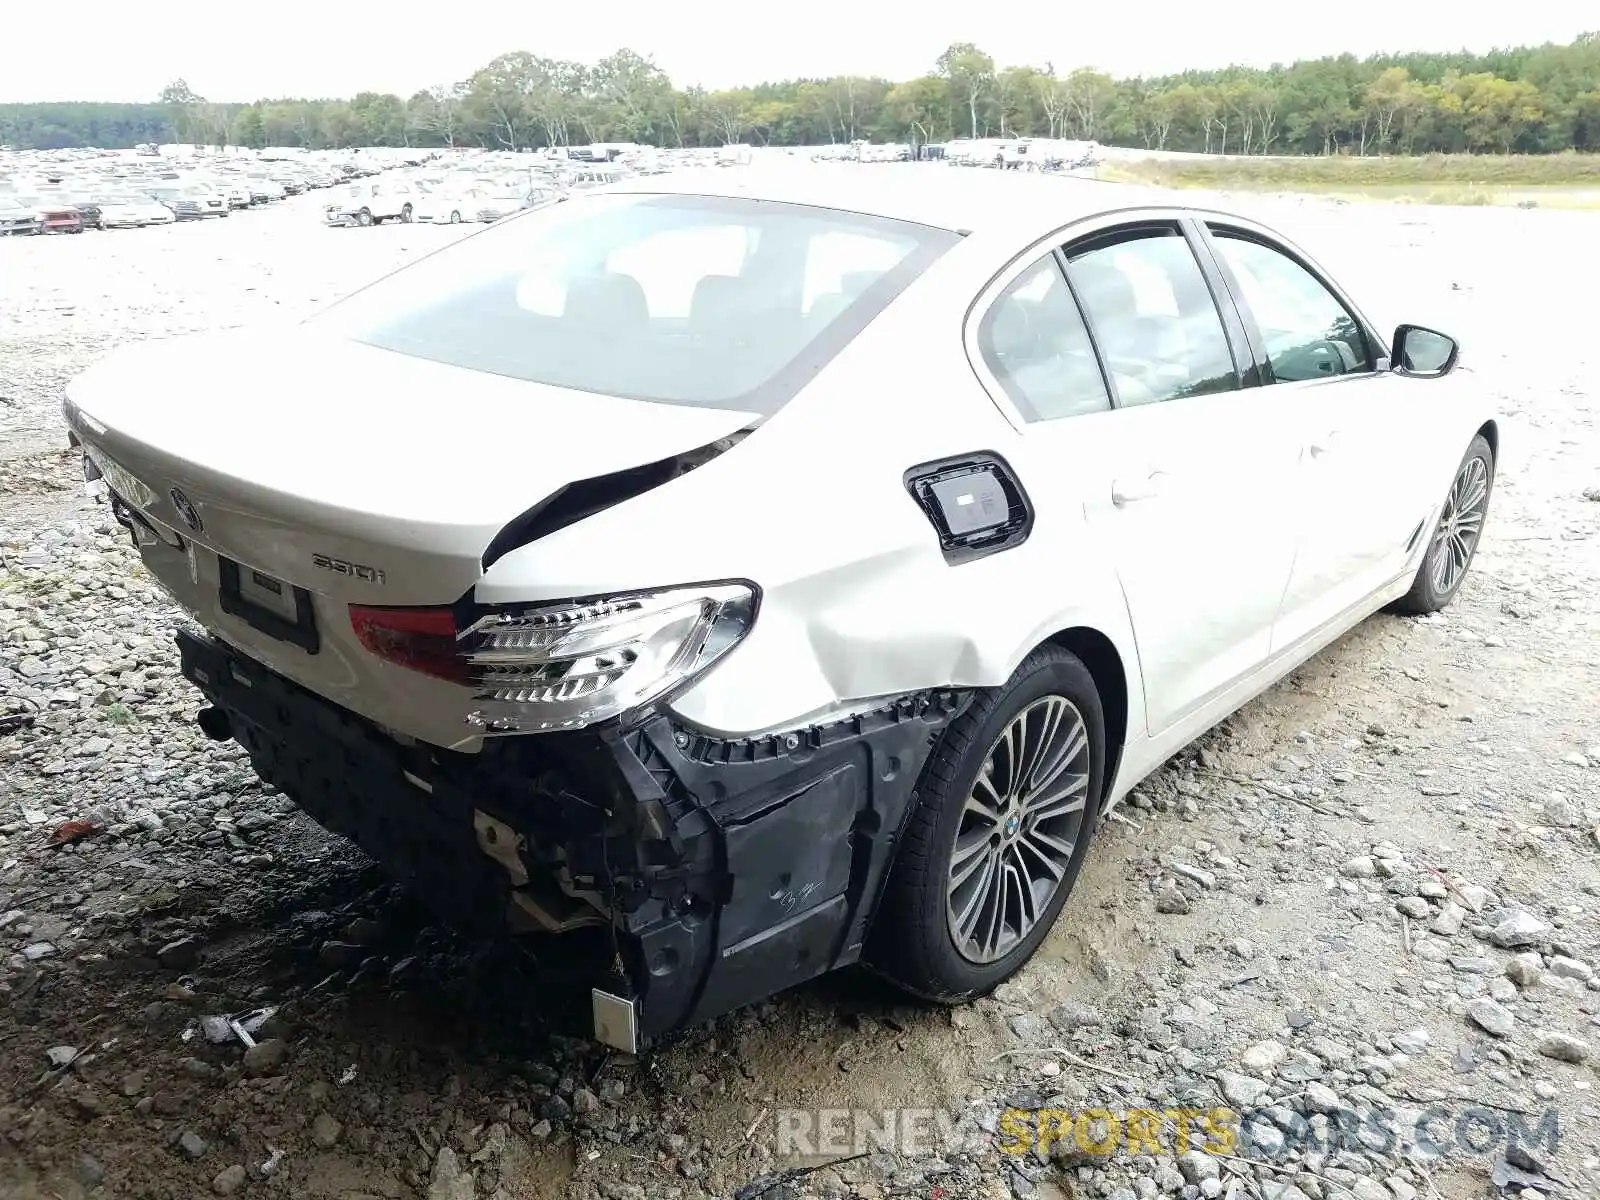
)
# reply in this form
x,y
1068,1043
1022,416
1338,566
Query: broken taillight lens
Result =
x,y
423,639
566,665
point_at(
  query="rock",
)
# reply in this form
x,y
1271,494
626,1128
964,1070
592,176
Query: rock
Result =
x,y
1562,1047
1321,1098
1170,899
1570,968
1242,948
1561,812
1360,867
1262,1058
1197,1165
264,1058
179,955
1519,929
1025,1027
1193,874
192,1145
364,931
89,1171
325,1131
585,1101
1241,1091
229,1180
1524,969
1489,1016
1414,907
1412,1041
1071,1015
449,1180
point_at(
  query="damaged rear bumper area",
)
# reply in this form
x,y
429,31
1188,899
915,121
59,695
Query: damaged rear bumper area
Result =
x,y
707,874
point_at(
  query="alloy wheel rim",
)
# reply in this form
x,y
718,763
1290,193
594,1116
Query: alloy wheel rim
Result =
x,y
1460,526
1019,828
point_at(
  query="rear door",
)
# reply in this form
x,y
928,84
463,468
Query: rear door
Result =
x,y
1147,441
1194,516
1357,426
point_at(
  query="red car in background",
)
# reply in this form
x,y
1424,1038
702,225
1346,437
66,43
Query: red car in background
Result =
x,y
55,214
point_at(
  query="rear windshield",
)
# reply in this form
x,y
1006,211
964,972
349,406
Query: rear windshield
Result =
x,y
704,301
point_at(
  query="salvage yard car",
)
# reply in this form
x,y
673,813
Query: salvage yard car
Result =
x,y
18,218
371,204
133,211
56,215
449,206
795,569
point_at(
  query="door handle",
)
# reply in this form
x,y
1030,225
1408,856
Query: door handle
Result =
x,y
1130,491
1324,445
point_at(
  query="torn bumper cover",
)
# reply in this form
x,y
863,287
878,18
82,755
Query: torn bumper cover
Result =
x,y
711,873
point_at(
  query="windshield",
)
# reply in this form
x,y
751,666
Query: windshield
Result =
x,y
705,301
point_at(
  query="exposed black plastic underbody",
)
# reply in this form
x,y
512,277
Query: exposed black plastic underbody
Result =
x,y
731,869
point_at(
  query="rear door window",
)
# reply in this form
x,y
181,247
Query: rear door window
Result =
x,y
1153,315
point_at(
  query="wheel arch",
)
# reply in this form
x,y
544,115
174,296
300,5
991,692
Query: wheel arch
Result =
x,y
1100,656
1490,432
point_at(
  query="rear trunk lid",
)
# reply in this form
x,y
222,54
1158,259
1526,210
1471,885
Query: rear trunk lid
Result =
x,y
281,477
285,448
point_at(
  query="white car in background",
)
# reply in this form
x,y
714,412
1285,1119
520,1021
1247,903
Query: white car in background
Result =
x,y
806,565
133,212
503,203
449,206
17,218
263,188
372,204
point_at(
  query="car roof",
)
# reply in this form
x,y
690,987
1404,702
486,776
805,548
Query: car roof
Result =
x,y
964,199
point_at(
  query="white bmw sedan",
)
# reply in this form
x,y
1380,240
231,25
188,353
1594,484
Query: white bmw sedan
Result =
x,y
745,575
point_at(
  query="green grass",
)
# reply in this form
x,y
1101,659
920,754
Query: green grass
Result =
x,y
1544,181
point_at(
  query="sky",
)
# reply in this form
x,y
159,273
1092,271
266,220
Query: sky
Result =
x,y
112,50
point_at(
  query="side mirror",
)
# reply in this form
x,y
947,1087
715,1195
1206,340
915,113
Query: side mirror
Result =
x,y
1425,353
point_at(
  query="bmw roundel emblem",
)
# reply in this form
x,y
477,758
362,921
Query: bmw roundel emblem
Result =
x,y
186,510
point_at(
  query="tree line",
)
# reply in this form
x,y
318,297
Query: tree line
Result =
x,y
1532,100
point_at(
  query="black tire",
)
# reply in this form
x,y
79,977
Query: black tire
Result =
x,y
364,217
405,215
1429,592
455,218
911,941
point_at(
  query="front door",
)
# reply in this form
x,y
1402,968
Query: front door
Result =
x,y
1359,516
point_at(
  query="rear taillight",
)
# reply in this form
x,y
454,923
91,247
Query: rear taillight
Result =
x,y
565,665
423,639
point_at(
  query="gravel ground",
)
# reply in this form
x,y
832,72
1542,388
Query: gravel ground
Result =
x,y
1374,890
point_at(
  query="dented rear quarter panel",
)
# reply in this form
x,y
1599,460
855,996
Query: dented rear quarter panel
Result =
x,y
857,601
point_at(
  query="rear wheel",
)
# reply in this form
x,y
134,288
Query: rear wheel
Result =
x,y
1005,813
1456,536
455,218
405,214
364,217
